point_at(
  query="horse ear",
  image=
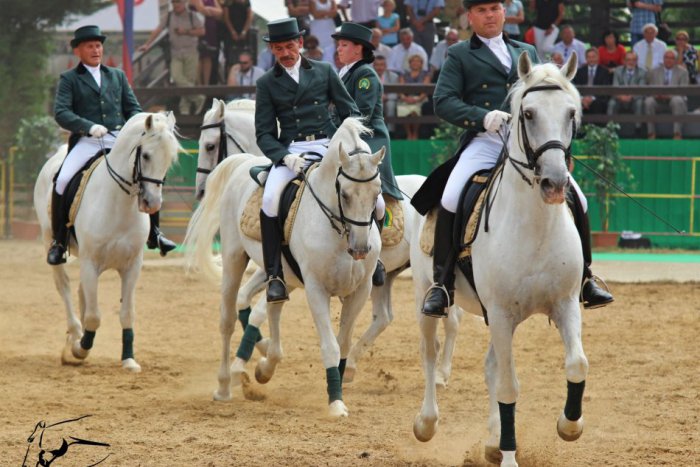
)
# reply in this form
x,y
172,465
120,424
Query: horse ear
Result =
x,y
149,122
171,119
379,155
220,108
569,69
524,65
342,155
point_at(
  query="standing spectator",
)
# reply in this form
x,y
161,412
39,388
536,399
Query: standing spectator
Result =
x,y
548,15
515,15
650,50
244,73
437,59
398,60
300,10
410,105
184,29
323,23
628,75
209,44
643,13
389,24
592,74
569,43
265,58
611,53
387,76
687,55
379,47
667,74
238,17
363,12
420,17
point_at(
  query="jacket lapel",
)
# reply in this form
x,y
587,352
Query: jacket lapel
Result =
x,y
283,79
104,81
85,76
515,51
305,75
483,53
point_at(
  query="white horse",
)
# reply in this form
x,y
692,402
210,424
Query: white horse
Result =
x,y
111,225
528,261
333,241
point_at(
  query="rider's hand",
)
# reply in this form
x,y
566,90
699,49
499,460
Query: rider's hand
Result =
x,y
98,131
294,162
494,119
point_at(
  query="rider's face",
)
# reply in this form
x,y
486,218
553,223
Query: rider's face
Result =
x,y
487,19
287,52
348,51
89,52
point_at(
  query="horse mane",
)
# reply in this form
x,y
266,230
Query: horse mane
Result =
x,y
247,105
349,134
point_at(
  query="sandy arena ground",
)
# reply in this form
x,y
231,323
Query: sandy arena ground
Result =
x,y
641,404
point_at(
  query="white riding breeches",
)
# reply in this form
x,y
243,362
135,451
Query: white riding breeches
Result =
x,y
481,154
86,147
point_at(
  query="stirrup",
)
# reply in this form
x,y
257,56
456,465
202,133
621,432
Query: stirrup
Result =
x,y
603,285
441,287
280,299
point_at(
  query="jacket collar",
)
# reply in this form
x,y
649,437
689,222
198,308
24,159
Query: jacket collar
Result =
x,y
279,69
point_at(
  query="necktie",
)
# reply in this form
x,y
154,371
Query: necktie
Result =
x,y
591,74
566,53
650,57
630,74
667,77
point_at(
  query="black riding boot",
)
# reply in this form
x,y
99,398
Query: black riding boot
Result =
x,y
379,275
156,239
57,252
592,295
440,296
272,257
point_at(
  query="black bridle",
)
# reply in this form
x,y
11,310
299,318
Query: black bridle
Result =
x,y
137,177
223,146
328,212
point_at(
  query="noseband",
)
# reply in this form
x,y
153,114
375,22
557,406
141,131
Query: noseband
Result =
x,y
137,177
223,147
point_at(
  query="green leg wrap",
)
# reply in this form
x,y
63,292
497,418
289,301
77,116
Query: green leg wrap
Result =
x,y
87,340
243,316
127,343
333,380
341,368
250,337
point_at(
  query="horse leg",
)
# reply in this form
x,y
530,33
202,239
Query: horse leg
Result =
x,y
267,364
250,336
352,306
492,453
451,326
255,284
568,321
91,314
127,315
74,327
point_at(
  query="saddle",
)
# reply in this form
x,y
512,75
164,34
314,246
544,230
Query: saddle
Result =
x,y
394,222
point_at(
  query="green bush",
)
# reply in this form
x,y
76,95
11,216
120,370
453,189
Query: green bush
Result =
x,y
37,139
445,141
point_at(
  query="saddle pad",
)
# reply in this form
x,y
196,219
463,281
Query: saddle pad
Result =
x,y
393,223
250,219
78,197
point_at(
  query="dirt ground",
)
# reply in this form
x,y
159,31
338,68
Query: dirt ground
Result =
x,y
640,408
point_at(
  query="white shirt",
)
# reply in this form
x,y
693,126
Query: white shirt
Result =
x,y
95,72
294,71
657,52
575,46
499,49
343,71
398,60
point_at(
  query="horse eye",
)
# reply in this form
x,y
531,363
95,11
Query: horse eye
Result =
x,y
145,156
528,114
345,196
572,114
210,147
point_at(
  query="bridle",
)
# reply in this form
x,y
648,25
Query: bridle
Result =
x,y
137,177
223,147
341,219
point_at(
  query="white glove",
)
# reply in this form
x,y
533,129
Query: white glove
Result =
x,y
294,162
494,119
98,131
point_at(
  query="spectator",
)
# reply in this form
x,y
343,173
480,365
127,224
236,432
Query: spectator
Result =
x,y
184,28
329,55
548,15
265,58
398,59
364,12
420,17
611,53
312,49
643,12
455,16
515,15
379,47
238,17
667,74
593,75
323,24
569,43
628,75
387,77
209,44
389,24
687,55
300,10
557,58
437,59
244,73
410,105
650,50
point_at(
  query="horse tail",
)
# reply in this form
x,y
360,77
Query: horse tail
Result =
x,y
206,220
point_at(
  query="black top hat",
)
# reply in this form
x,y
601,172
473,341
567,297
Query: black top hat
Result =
x,y
355,33
87,33
282,30
471,3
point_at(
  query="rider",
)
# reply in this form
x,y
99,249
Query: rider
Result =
x,y
471,88
296,92
355,51
93,102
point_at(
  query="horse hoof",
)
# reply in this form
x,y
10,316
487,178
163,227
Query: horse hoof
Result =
x,y
424,430
440,382
349,375
337,409
222,395
493,454
260,375
131,365
569,430
262,346
79,352
67,357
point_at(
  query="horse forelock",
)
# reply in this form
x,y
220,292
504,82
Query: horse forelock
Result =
x,y
160,134
247,105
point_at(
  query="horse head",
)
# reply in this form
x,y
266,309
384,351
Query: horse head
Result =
x,y
212,146
547,110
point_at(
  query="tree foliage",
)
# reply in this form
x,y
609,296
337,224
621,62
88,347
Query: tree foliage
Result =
x,y
37,137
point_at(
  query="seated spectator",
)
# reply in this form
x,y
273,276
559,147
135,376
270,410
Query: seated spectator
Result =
x,y
387,77
420,17
611,53
410,105
398,59
668,74
628,75
592,74
548,16
687,55
389,24
437,59
557,58
312,49
265,58
650,50
379,47
643,12
323,23
244,73
569,43
515,15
